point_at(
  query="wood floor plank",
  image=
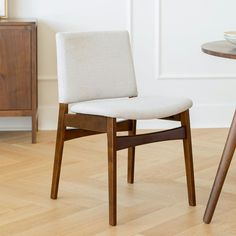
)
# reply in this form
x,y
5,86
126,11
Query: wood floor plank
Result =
x,y
156,204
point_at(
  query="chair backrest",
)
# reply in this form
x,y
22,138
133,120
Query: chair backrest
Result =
x,y
94,65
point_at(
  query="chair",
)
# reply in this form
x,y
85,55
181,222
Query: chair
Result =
x,y
96,77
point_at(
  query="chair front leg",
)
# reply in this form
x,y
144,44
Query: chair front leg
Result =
x,y
187,143
131,156
63,109
112,170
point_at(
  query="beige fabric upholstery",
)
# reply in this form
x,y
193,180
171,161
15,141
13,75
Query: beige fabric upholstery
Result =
x,y
96,73
138,108
94,65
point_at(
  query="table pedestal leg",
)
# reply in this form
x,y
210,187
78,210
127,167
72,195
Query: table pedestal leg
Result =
x,y
221,172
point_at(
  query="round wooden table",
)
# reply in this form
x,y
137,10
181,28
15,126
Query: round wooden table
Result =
x,y
220,49
226,50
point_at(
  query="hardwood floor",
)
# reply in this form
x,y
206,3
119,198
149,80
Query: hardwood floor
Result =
x,y
156,204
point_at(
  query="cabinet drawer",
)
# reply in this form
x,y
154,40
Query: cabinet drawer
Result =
x,y
15,68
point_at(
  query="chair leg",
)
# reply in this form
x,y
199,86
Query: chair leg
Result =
x,y
187,143
131,156
58,150
221,172
112,178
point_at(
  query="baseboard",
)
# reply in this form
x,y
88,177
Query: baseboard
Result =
x,y
47,120
202,116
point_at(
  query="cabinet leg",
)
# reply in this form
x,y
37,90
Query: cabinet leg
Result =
x,y
34,127
221,172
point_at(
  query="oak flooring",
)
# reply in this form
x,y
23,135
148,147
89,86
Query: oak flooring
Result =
x,y
155,205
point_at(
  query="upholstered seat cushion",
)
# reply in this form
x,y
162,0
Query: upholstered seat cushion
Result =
x,y
137,108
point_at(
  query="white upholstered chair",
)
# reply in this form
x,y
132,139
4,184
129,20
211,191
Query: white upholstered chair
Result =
x,y
96,75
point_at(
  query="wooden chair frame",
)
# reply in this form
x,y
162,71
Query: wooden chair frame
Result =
x,y
90,125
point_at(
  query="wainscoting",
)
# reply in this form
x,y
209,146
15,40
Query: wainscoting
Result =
x,y
166,39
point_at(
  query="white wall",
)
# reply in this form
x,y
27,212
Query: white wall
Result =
x,y
166,38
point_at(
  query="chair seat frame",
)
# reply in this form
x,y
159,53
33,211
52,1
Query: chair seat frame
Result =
x,y
86,125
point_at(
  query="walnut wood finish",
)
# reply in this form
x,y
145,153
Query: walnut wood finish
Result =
x,y
91,125
136,140
223,168
131,155
112,169
18,70
188,155
174,118
78,133
96,123
61,128
220,49
226,50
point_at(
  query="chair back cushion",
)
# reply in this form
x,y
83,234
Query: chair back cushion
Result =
x,y
94,65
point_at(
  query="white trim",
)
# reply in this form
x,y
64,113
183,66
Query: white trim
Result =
x,y
48,116
195,76
157,34
130,18
215,116
47,78
47,120
165,77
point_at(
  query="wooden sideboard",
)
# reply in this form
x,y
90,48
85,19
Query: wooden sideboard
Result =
x,y
18,70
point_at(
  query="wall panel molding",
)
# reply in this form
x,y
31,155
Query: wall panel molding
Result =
x,y
195,77
157,33
130,16
159,74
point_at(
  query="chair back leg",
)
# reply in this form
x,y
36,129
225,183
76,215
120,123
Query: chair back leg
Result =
x,y
63,109
112,170
187,143
131,156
